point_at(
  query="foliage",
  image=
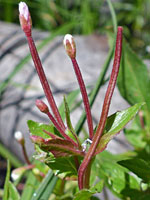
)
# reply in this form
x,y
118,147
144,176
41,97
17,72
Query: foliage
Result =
x,y
63,157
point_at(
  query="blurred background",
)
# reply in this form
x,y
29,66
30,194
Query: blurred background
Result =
x,y
57,17
88,16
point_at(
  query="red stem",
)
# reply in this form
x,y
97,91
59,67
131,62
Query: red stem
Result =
x,y
105,109
59,128
25,154
43,79
84,96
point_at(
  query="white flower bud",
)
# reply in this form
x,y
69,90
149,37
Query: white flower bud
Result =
x,y
23,10
70,46
25,18
19,137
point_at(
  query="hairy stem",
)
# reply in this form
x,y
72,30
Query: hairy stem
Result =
x,y
84,96
43,80
105,109
59,128
94,92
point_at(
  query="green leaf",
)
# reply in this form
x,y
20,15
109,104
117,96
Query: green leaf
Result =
x,y
116,177
135,138
31,185
71,97
13,193
133,79
36,128
115,123
7,154
67,112
6,186
46,187
87,193
138,166
62,165
83,195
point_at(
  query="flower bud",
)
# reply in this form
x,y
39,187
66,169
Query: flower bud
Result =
x,y
42,106
16,173
70,46
25,18
19,137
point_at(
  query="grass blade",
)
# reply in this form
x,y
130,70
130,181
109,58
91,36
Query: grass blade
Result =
x,y
46,187
6,186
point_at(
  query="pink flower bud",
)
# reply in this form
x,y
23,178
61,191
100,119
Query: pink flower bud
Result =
x,y
25,18
70,46
42,106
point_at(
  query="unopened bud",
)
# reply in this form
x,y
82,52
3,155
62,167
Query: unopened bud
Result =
x,y
70,46
42,106
19,137
16,173
25,18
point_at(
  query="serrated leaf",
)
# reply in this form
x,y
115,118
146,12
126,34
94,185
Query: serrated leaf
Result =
x,y
116,177
13,193
115,123
62,165
37,128
138,166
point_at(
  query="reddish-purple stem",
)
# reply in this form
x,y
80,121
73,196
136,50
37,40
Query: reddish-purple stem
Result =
x,y
43,80
59,128
105,109
84,96
51,135
25,154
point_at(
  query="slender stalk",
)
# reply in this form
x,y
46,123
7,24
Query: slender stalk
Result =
x,y
141,120
113,15
59,128
87,176
43,80
25,154
94,92
84,96
105,109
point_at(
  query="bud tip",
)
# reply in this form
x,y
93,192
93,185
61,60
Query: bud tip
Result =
x,y
18,136
42,106
70,46
23,10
